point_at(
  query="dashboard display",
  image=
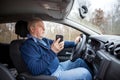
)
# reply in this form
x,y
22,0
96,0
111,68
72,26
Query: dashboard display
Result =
x,y
95,45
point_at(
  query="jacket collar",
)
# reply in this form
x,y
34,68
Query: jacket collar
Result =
x,y
42,42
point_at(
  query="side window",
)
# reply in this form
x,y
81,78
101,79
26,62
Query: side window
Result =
x,y
51,29
7,32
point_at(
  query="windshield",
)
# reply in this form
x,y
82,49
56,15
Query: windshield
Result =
x,y
101,16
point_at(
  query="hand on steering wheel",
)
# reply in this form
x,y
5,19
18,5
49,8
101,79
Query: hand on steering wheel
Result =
x,y
79,48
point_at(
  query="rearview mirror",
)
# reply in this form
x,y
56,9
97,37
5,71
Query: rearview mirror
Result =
x,y
82,11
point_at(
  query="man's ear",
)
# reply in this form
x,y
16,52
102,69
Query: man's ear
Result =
x,y
32,29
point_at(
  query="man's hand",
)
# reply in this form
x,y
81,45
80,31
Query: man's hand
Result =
x,y
77,39
56,46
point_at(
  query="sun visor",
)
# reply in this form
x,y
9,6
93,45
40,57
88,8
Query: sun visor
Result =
x,y
56,8
17,9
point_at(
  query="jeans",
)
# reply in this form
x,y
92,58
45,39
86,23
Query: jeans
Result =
x,y
77,70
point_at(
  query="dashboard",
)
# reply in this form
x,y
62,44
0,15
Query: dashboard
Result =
x,y
103,52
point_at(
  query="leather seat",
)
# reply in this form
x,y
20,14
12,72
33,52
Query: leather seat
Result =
x,y
5,73
21,30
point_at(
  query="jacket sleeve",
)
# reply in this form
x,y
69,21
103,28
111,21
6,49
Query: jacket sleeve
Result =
x,y
36,63
69,44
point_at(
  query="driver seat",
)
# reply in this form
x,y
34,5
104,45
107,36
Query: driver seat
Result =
x,y
15,55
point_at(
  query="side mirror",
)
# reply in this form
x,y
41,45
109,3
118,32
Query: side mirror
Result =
x,y
83,10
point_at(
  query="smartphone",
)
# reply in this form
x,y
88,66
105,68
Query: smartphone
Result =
x,y
59,36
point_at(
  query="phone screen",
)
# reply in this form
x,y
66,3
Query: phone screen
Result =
x,y
59,36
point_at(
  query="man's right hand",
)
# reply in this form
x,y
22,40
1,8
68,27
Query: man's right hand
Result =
x,y
56,46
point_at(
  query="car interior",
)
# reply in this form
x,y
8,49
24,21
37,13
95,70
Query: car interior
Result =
x,y
100,51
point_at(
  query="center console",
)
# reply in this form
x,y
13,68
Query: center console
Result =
x,y
100,63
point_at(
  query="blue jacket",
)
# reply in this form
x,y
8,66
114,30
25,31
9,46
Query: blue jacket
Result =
x,y
39,58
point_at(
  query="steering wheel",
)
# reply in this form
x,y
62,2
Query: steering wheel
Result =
x,y
78,48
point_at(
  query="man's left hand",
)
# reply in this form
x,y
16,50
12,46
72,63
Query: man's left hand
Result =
x,y
77,39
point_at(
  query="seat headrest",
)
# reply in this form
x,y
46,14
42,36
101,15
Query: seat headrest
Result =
x,y
21,28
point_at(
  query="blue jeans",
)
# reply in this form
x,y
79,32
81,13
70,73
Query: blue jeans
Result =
x,y
77,70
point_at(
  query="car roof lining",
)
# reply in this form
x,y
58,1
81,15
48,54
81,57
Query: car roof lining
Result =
x,y
56,9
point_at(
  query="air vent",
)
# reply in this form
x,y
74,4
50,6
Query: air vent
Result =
x,y
117,51
109,46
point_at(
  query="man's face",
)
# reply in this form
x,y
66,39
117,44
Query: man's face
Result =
x,y
39,30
